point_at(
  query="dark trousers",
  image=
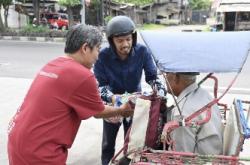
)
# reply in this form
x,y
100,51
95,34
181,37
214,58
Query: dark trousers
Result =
x,y
109,135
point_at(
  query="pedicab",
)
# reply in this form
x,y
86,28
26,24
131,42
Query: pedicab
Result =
x,y
203,52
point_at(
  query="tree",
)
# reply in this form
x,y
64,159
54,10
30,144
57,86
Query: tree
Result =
x,y
36,6
1,21
5,5
94,13
199,4
70,4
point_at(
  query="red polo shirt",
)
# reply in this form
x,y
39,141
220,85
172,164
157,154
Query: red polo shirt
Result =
x,y
62,94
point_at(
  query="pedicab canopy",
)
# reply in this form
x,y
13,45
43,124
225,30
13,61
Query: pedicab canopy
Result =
x,y
198,51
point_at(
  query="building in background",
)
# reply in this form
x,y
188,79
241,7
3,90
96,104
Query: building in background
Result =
x,y
234,14
160,11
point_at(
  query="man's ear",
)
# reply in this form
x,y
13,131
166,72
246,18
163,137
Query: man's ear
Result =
x,y
84,47
177,78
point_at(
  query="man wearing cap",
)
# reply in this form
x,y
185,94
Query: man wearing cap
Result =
x,y
203,139
118,71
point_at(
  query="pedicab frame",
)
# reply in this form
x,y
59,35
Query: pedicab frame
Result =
x,y
204,52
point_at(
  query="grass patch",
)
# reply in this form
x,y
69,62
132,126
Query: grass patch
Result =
x,y
30,29
151,26
207,29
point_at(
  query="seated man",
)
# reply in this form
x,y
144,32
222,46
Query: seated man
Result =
x,y
203,139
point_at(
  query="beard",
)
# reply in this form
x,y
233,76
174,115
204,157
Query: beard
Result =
x,y
125,51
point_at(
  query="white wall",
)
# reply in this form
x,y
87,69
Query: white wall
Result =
x,y
15,20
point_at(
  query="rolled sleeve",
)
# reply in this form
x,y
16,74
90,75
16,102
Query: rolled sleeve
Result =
x,y
86,100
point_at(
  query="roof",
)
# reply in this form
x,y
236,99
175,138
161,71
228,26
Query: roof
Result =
x,y
234,6
198,51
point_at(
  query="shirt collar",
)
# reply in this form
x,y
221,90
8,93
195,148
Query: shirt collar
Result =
x,y
191,88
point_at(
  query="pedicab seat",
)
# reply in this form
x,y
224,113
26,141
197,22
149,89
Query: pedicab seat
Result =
x,y
237,129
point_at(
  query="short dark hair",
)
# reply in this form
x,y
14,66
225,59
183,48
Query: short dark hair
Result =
x,y
80,34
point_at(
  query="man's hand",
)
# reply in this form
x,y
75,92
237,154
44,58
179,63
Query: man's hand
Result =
x,y
126,110
114,120
116,100
158,88
123,110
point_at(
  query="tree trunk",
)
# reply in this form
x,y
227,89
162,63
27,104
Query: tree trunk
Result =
x,y
70,15
6,13
1,22
36,5
101,14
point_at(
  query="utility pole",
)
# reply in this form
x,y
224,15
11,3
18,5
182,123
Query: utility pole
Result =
x,y
36,6
83,12
181,12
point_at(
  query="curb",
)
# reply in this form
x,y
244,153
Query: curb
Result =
x,y
39,39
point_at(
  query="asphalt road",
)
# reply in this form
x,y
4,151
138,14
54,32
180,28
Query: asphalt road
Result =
x,y
24,59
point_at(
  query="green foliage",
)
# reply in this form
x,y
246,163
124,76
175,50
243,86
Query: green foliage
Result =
x,y
151,27
95,4
107,19
200,4
136,2
206,29
5,2
31,29
70,3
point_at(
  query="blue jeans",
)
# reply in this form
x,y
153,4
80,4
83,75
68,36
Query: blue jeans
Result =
x,y
109,135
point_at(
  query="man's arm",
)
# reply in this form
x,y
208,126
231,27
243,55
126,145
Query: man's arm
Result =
x,y
106,94
124,110
184,138
149,66
103,87
151,74
212,145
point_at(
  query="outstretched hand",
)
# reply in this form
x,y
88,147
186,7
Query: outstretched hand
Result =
x,y
126,109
